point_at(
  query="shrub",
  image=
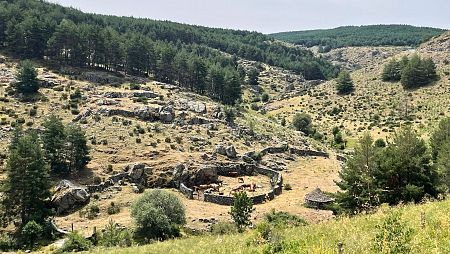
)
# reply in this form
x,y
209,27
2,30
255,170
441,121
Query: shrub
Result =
x,y
241,210
287,187
75,242
113,208
230,114
6,242
158,214
224,228
270,236
380,143
33,112
76,95
254,106
20,120
97,180
265,97
113,236
302,122
31,232
135,87
393,235
283,219
91,211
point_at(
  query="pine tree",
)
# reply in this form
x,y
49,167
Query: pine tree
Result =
x,y
440,136
344,83
443,163
26,77
76,150
53,138
27,184
392,71
357,178
406,173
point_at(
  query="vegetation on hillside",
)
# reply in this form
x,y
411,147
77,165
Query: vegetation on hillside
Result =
x,y
344,83
158,215
32,157
412,72
174,53
373,35
402,171
421,228
27,81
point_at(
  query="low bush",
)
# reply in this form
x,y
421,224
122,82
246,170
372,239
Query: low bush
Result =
x,y
393,235
283,219
75,242
31,233
158,214
224,228
7,242
113,208
113,236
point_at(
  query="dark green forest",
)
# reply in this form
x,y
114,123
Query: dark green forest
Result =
x,y
190,56
373,35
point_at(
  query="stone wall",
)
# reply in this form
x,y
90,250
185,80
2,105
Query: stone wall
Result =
x,y
218,199
189,193
308,152
243,169
277,187
111,181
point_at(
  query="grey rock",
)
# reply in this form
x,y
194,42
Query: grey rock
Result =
x,y
231,152
136,171
220,149
69,196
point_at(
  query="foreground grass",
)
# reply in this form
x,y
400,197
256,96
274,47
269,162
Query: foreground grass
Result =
x,y
357,234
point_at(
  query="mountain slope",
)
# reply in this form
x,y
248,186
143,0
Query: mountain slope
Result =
x,y
375,106
373,35
36,29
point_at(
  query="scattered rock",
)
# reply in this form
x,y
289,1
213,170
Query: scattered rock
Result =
x,y
231,152
135,171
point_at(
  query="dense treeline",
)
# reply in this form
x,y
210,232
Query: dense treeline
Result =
x,y
412,72
373,35
186,55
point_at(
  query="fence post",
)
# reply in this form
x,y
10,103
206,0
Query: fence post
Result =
x,y
340,248
72,227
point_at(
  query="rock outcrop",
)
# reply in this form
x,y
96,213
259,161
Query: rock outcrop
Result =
x,y
69,196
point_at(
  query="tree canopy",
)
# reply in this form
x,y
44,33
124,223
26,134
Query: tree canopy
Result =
x,y
189,56
400,172
26,77
344,83
27,184
372,35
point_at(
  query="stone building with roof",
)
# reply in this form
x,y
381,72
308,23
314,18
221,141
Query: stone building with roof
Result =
x,y
317,199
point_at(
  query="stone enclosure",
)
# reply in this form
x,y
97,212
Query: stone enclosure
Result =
x,y
248,167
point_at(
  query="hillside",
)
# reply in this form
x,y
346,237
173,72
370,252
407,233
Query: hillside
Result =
x,y
357,235
375,106
142,46
206,113
350,36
